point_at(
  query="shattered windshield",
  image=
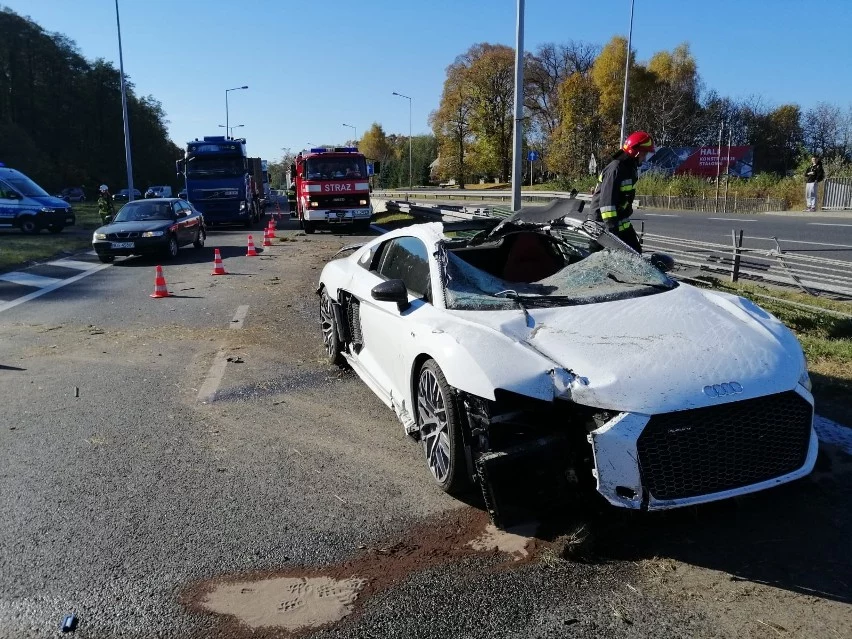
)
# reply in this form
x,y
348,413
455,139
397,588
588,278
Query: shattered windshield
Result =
x,y
606,275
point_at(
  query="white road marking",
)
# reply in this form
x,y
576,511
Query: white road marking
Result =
x,y
207,392
29,279
827,224
75,264
239,317
52,287
659,215
730,219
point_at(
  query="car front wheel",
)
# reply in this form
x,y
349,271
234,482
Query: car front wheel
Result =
x,y
172,247
55,228
440,429
199,239
330,335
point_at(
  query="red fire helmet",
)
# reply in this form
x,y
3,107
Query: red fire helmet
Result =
x,y
638,142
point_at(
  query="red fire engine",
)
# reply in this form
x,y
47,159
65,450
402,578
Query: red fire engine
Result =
x,y
332,189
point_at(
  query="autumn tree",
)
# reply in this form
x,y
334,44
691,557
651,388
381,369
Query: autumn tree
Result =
x,y
374,144
578,134
452,125
608,76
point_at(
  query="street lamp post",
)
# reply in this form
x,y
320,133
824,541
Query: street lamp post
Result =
x,y
231,128
226,103
626,76
127,157
518,133
410,174
355,131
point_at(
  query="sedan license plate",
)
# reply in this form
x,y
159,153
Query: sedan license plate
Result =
x,y
122,245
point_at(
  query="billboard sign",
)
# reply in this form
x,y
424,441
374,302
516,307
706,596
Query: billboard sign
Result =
x,y
701,160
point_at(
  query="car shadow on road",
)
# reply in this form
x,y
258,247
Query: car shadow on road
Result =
x,y
794,537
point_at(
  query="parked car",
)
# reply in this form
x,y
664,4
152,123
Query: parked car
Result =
x,y
542,349
159,191
150,226
27,206
72,194
124,194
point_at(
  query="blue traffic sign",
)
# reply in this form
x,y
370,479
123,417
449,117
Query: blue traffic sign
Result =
x,y
533,156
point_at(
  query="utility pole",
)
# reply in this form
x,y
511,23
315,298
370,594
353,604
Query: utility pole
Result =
x,y
519,109
127,157
718,166
727,171
626,76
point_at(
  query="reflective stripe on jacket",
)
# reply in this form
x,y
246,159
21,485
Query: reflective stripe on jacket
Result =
x,y
612,201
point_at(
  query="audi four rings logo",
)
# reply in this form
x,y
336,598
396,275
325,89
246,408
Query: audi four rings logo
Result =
x,y
720,390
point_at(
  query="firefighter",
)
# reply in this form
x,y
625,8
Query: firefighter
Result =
x,y
612,200
105,205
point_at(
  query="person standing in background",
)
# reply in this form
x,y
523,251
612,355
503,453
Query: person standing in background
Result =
x,y
813,176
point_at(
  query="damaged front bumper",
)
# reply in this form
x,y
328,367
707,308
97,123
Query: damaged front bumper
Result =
x,y
703,455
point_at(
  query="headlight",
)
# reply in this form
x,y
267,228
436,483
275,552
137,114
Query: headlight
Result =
x,y
98,236
153,234
242,206
363,202
805,380
46,209
315,204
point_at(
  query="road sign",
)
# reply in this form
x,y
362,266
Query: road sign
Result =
x,y
370,169
533,156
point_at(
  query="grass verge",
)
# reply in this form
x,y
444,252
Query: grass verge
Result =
x,y
17,249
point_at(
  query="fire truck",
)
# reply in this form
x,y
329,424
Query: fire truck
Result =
x,y
332,189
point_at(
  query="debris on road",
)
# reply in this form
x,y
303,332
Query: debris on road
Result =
x,y
69,623
235,359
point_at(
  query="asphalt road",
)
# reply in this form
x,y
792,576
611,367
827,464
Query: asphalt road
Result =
x,y
126,486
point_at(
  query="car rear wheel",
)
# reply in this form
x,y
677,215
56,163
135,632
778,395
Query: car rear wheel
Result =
x,y
172,247
330,336
440,429
199,239
106,259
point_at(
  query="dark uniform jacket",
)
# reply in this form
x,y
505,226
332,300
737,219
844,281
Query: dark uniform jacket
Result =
x,y
815,173
612,201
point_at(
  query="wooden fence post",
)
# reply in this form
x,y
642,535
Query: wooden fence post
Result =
x,y
735,269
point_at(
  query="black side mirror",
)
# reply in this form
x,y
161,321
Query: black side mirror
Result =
x,y
108,219
392,291
663,262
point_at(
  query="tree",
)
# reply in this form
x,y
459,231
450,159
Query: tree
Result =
x,y
452,124
608,76
578,134
374,144
824,130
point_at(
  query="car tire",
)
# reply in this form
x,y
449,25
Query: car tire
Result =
x,y
309,228
440,429
29,225
199,239
330,334
106,259
55,228
172,247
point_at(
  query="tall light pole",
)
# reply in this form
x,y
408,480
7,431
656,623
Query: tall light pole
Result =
x,y
519,109
231,128
127,157
354,129
626,76
410,174
226,103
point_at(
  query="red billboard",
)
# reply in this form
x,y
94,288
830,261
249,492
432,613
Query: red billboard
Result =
x,y
702,160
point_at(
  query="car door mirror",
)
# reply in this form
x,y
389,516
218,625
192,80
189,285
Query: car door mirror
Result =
x,y
108,219
391,291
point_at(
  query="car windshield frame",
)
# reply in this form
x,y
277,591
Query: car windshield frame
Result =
x,y
591,275
25,186
144,211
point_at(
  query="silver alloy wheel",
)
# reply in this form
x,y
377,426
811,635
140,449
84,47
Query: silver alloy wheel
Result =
x,y
173,247
434,426
328,329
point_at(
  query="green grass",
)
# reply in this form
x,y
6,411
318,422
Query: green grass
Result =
x,y
18,250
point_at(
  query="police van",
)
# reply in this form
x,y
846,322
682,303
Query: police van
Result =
x,y
27,206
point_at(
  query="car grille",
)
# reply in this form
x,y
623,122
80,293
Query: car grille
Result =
x,y
125,235
708,450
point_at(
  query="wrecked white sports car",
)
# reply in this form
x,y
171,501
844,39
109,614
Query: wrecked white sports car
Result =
x,y
541,357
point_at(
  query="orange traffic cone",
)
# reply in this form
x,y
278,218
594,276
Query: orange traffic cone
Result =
x,y
218,267
271,229
160,288
251,250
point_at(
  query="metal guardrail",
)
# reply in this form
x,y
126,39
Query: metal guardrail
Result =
x,y
730,204
543,197
837,194
807,272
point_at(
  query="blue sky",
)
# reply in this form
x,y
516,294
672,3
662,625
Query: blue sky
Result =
x,y
314,64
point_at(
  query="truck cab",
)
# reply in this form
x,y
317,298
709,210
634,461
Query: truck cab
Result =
x,y
27,206
332,189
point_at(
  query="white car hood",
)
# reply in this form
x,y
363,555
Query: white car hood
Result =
x,y
656,353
